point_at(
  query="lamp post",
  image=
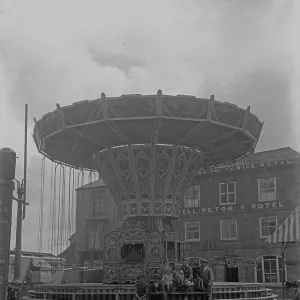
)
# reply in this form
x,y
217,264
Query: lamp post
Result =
x,y
21,191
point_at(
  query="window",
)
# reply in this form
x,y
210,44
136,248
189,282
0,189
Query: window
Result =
x,y
192,197
93,235
267,225
99,201
269,269
227,193
192,231
228,229
267,190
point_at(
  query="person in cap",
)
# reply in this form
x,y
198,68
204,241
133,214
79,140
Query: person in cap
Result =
x,y
206,274
156,289
141,288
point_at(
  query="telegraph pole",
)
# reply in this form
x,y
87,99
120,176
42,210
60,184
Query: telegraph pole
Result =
x,y
21,191
7,175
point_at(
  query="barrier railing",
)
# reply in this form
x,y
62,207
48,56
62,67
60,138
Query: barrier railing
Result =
x,y
107,292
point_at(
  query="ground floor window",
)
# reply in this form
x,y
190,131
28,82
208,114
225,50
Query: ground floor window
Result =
x,y
269,269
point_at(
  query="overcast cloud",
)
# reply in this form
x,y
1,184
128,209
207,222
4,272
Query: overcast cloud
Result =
x,y
246,52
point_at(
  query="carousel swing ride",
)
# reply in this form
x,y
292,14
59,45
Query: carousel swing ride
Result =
x,y
148,150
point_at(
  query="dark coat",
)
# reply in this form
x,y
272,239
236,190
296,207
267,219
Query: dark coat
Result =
x,y
141,288
207,275
153,289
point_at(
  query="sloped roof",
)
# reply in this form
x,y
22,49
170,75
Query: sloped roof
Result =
x,y
94,184
40,263
285,153
35,254
70,252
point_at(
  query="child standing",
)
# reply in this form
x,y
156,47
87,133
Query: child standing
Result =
x,y
168,280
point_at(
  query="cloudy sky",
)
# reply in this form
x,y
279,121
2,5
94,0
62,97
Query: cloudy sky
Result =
x,y
246,52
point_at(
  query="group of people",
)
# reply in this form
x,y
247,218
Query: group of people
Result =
x,y
185,279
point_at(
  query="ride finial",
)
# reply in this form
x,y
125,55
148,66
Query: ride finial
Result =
x,y
103,95
159,92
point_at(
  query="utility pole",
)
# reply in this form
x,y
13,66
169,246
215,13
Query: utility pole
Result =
x,y
21,191
7,175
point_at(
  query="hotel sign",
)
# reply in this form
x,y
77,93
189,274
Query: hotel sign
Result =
x,y
245,166
254,207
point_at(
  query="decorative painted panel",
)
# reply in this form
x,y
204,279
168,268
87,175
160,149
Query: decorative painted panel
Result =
x,y
128,173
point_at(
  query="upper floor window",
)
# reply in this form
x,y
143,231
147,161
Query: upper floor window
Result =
x,y
192,197
267,225
228,229
269,269
267,190
99,201
192,231
227,193
93,235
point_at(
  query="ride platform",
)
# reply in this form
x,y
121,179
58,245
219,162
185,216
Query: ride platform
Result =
x,y
98,291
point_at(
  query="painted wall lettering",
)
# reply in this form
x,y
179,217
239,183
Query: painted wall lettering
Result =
x,y
232,208
244,167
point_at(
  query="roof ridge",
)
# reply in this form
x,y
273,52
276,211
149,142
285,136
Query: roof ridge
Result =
x,y
273,150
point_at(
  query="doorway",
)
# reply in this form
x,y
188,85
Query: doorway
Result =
x,y
232,274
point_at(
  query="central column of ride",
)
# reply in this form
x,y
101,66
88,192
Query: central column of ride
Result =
x,y
148,182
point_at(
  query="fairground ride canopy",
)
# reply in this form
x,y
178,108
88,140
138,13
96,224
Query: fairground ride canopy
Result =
x,y
147,146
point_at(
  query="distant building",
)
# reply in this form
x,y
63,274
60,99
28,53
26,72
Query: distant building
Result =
x,y
229,212
70,253
36,268
96,214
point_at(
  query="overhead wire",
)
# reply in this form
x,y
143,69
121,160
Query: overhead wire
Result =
x,y
73,202
62,216
69,204
55,217
59,211
50,210
40,233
